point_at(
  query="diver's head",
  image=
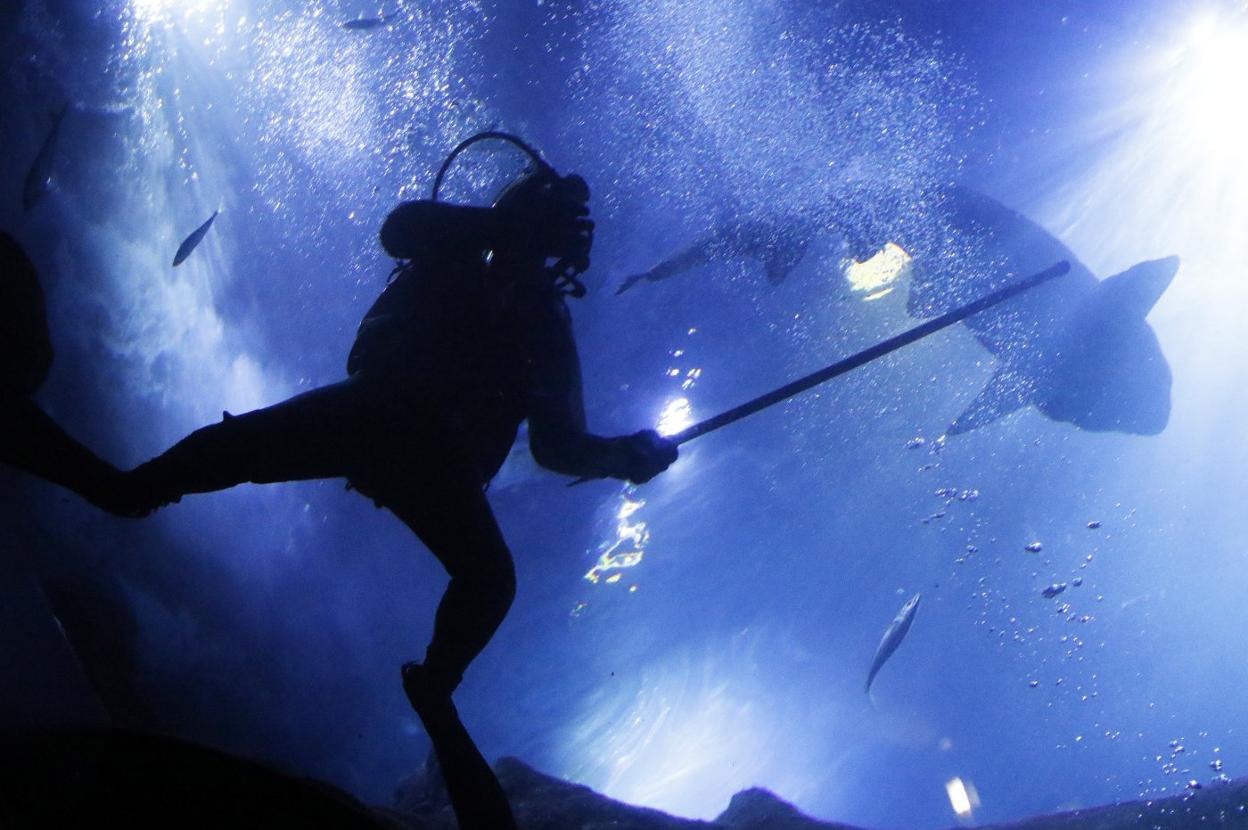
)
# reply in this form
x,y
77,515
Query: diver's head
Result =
x,y
547,217
545,229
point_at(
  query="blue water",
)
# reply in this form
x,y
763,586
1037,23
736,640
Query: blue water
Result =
x,y
732,651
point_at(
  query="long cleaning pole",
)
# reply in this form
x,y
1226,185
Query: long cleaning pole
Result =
x,y
852,362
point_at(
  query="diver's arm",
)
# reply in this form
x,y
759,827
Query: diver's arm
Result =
x,y
558,436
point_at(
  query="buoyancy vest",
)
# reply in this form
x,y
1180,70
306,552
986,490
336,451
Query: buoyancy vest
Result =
x,y
463,345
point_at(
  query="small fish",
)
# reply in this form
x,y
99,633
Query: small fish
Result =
x,y
1093,525
39,176
364,24
1053,590
893,635
1033,547
189,244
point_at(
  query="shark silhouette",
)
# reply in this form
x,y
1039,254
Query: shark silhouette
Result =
x,y
1078,349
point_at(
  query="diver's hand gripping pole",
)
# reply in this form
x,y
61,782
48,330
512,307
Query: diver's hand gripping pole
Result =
x,y
852,362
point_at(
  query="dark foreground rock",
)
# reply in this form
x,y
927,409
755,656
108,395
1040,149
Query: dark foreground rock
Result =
x,y
114,778
542,802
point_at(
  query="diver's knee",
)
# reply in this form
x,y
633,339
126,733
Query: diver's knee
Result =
x,y
502,575
494,582
498,583
482,560
507,587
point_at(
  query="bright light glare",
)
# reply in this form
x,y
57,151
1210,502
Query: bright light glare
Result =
x,y
152,11
676,415
1169,175
878,275
627,548
962,797
1208,85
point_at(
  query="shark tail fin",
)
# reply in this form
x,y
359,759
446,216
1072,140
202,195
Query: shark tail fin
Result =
x,y
1005,392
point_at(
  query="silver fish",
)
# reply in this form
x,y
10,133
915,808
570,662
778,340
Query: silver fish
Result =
x,y
893,635
39,176
189,244
363,24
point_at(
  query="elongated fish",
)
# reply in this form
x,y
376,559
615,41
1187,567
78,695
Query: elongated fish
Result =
x,y
363,24
189,244
893,635
39,176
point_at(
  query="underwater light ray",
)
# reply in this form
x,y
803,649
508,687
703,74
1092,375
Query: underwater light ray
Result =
x,y
1166,168
684,736
1158,171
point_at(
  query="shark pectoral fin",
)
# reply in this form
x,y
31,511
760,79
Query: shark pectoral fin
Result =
x,y
1006,392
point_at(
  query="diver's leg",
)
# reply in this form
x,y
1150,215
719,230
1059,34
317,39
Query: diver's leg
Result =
x,y
457,525
313,435
31,441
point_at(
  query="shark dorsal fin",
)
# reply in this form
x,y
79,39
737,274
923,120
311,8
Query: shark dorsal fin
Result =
x,y
1137,289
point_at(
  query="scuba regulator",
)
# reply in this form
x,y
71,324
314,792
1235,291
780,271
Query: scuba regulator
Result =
x,y
546,197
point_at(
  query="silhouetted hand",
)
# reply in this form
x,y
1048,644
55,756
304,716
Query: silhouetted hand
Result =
x,y
645,454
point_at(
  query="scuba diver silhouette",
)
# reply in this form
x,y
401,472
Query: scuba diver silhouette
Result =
x,y
470,338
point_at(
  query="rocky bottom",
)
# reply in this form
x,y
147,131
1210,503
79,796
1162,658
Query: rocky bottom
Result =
x,y
100,777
